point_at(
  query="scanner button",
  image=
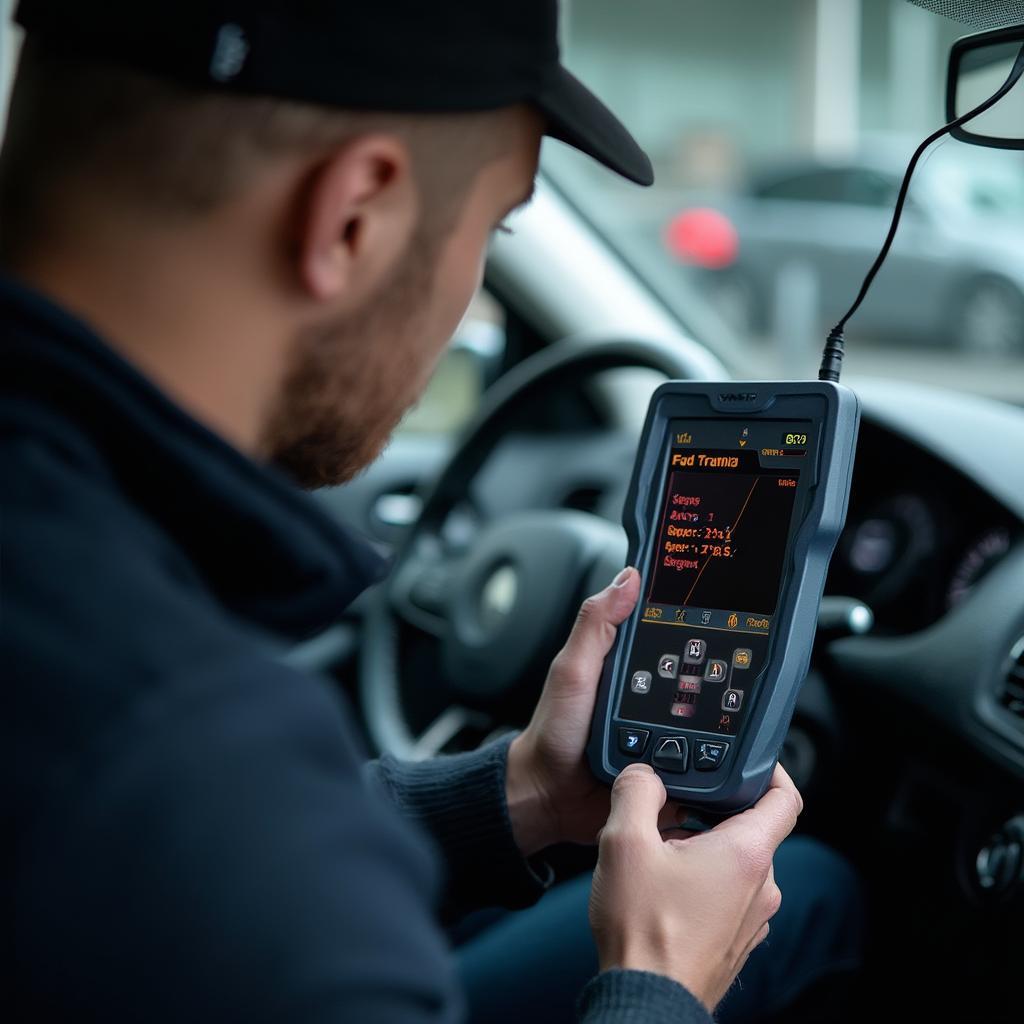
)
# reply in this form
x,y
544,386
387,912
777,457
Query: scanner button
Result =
x,y
641,682
668,666
742,657
716,671
695,651
633,741
708,755
670,754
732,700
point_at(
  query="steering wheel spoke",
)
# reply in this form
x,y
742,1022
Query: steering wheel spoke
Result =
x,y
419,589
447,727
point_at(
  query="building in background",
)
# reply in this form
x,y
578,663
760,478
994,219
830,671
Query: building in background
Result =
x,y
776,79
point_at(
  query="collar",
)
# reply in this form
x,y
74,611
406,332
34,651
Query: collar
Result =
x,y
261,545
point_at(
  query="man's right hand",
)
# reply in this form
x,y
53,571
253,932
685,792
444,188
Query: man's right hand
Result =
x,y
693,908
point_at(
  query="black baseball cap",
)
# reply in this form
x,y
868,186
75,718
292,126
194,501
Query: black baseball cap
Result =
x,y
411,56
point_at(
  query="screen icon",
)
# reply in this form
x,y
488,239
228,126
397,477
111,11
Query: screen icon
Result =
x,y
680,615
716,671
695,651
641,682
684,710
705,618
733,621
732,700
668,666
742,657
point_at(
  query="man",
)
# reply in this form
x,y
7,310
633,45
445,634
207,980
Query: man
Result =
x,y
255,227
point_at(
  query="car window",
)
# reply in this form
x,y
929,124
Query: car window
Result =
x,y
859,186
472,359
988,192
742,104
819,187
995,196
871,188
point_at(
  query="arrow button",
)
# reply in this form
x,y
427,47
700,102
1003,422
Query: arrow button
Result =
x,y
670,754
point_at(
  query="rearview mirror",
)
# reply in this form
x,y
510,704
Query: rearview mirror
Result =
x,y
978,66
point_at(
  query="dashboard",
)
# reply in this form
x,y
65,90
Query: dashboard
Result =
x,y
919,536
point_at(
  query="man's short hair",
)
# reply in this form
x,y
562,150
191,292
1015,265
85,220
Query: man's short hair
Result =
x,y
162,149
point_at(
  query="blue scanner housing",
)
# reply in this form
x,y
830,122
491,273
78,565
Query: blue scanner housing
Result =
x,y
738,496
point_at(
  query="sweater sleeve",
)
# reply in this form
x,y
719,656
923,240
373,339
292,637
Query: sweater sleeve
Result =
x,y
638,997
460,801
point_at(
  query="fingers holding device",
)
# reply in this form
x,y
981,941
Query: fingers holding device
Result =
x,y
691,909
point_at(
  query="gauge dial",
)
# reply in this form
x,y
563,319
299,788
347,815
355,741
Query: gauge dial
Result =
x,y
980,557
889,544
873,546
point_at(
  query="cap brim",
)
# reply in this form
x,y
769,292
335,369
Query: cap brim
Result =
x,y
577,117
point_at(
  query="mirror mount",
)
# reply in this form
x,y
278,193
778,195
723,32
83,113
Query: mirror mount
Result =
x,y
971,45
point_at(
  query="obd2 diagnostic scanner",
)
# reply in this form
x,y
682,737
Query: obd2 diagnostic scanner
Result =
x,y
737,499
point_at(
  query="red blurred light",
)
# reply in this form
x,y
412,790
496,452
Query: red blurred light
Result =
x,y
703,237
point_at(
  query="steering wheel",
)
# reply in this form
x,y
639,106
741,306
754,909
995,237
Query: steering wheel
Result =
x,y
487,617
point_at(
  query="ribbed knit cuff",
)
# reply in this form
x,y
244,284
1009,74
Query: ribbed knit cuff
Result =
x,y
461,800
638,997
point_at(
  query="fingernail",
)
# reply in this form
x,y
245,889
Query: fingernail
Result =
x,y
620,580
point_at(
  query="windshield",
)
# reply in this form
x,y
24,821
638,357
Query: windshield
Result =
x,y
779,134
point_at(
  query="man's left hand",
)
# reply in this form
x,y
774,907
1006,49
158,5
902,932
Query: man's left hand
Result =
x,y
552,795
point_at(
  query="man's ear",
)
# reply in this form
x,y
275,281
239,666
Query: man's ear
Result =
x,y
357,217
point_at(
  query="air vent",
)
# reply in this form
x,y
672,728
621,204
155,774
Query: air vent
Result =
x,y
1011,692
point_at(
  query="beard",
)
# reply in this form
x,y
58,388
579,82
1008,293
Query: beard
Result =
x,y
352,380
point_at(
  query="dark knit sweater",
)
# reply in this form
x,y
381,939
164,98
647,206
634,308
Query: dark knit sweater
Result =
x,y
196,838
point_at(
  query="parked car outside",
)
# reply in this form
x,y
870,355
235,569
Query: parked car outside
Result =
x,y
955,275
